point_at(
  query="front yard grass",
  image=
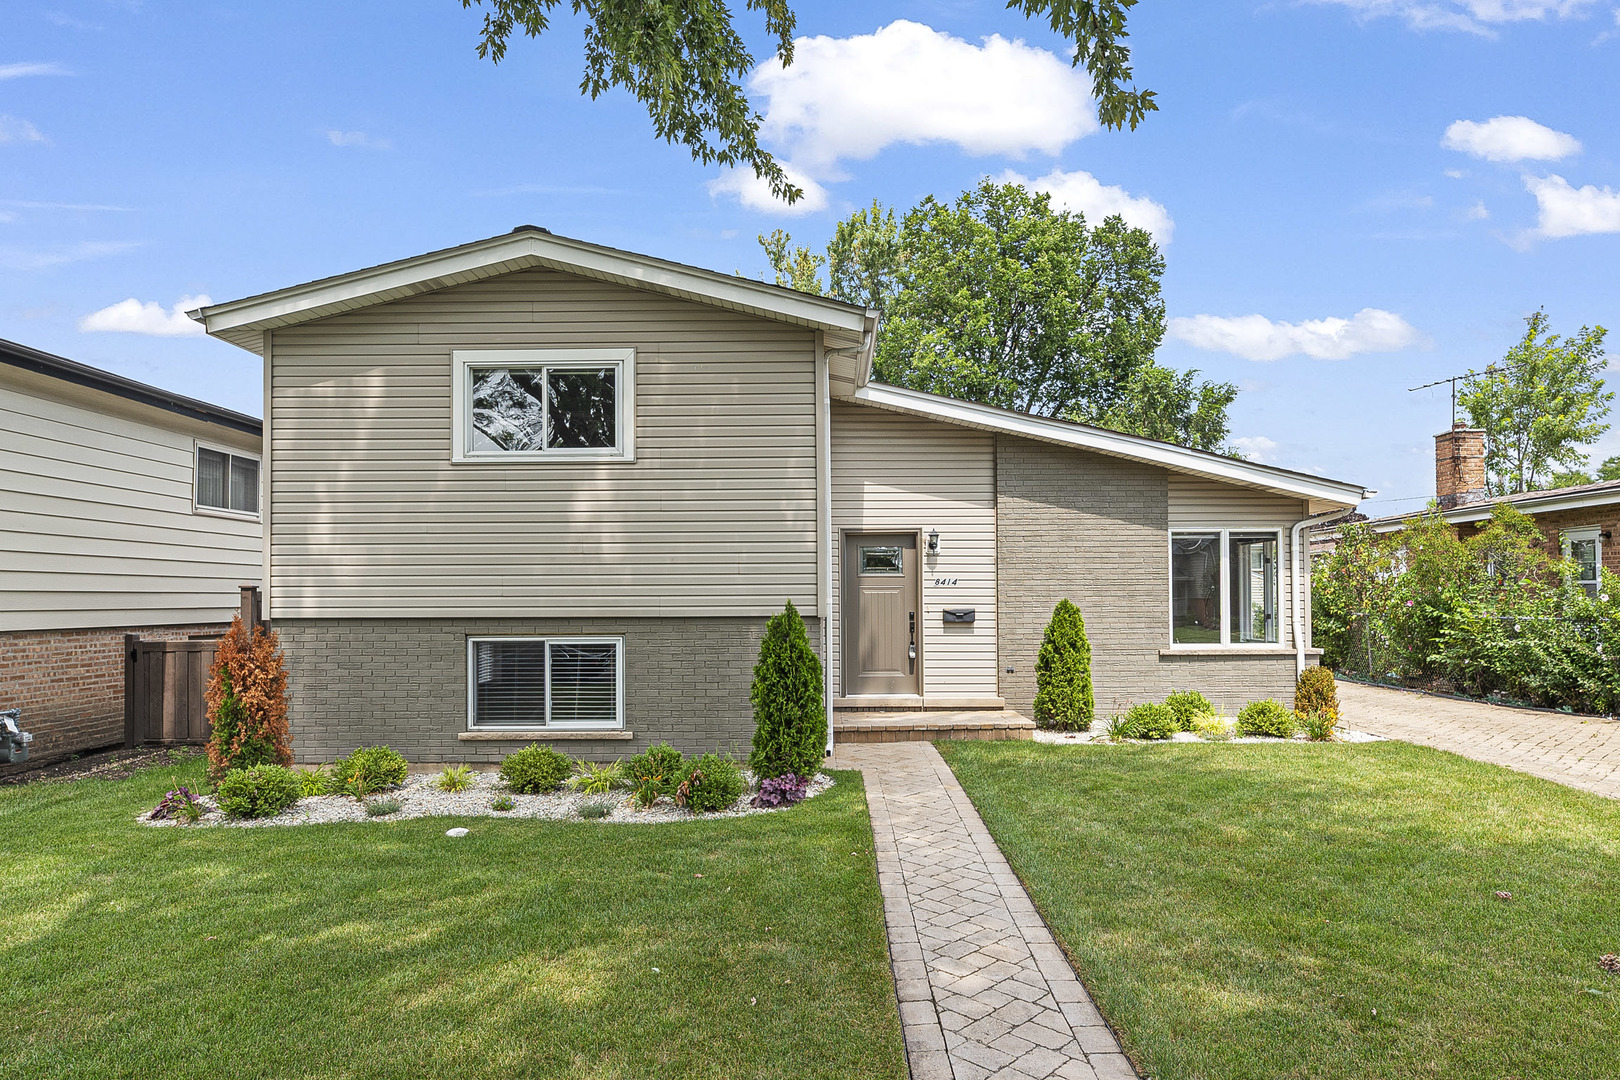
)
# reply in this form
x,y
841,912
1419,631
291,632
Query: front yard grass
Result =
x,y
731,948
1319,911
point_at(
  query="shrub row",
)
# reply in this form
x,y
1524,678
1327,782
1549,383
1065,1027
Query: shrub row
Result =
x,y
705,784
1315,711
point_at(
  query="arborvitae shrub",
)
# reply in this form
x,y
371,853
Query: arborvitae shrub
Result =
x,y
535,769
1189,705
1316,692
1267,717
790,719
1063,695
257,791
1151,721
247,702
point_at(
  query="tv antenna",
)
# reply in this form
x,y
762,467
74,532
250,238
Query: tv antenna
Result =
x,y
1454,380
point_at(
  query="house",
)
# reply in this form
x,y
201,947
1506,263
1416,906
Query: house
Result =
x,y
124,509
1577,523
531,488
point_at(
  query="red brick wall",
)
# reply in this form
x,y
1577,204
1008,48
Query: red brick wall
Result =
x,y
1606,518
69,684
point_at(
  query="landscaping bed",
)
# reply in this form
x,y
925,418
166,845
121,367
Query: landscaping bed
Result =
x,y
1372,912
420,796
750,946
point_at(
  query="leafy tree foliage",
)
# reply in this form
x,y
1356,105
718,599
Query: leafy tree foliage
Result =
x,y
1610,469
1001,299
790,720
1544,401
685,62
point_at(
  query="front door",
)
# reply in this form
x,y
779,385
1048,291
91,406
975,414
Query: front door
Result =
x,y
881,632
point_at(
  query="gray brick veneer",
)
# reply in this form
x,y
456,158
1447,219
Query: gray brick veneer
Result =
x,y
403,682
1095,529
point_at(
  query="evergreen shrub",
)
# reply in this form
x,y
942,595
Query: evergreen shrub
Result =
x,y
1266,717
1151,721
247,702
656,771
1063,696
713,783
367,769
257,791
1315,692
535,769
1189,705
790,718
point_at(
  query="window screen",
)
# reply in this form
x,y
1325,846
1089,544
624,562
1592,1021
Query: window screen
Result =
x,y
227,481
1254,588
1195,589
535,683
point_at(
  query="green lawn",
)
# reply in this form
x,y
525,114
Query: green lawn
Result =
x,y
1319,911
733,948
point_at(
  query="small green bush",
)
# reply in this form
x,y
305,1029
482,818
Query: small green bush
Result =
x,y
790,717
1318,725
1213,728
1188,705
535,769
502,803
594,779
655,771
712,783
382,807
595,811
313,782
367,769
1315,692
1266,717
454,778
1151,721
1063,696
257,791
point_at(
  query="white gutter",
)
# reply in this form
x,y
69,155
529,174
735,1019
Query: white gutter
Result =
x,y
1298,597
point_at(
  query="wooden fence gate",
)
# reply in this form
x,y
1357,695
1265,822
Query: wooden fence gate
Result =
x,y
164,683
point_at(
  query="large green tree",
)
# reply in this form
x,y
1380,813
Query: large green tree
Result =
x,y
1539,406
685,62
999,298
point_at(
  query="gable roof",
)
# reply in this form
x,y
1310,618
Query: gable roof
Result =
x,y
1330,494
848,329
1548,501
71,371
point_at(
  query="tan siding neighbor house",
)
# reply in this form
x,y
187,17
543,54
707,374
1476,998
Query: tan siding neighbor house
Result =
x,y
536,489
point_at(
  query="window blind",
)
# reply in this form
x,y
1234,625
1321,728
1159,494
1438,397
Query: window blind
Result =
x,y
534,682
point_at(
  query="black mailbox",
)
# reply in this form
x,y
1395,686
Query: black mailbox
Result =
x,y
959,614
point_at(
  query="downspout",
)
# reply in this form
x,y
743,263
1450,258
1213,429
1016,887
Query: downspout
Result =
x,y
1297,585
825,549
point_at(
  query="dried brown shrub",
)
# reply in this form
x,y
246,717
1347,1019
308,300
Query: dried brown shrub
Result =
x,y
247,701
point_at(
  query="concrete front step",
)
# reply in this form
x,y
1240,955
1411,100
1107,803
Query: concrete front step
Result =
x,y
929,726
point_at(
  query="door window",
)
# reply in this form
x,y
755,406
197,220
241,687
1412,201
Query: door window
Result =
x,y
882,560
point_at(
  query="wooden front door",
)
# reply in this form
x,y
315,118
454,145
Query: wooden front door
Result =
x,y
882,634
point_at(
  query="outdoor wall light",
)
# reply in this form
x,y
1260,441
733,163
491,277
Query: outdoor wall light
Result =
x,y
933,542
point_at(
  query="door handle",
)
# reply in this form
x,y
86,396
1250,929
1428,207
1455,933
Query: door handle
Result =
x,y
911,651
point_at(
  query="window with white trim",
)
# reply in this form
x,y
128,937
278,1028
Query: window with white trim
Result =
x,y
526,683
543,404
227,481
1225,588
1584,548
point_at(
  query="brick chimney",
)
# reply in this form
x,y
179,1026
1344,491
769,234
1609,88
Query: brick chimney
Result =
x,y
1459,465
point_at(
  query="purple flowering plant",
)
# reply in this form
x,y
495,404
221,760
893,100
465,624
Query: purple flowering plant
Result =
x,y
181,804
779,791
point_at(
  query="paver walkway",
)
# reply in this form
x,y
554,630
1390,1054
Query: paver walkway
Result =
x,y
984,989
1554,746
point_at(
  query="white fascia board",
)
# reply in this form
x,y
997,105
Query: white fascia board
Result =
x,y
1549,505
515,251
1114,443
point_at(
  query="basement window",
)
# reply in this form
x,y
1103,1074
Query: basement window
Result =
x,y
526,683
543,405
227,482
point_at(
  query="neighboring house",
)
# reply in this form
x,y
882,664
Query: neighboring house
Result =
x,y
1576,522
533,488
124,509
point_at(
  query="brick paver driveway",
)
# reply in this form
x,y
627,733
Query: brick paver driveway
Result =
x,y
984,989
1567,749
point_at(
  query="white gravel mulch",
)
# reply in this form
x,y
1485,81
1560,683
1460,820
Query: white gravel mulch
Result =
x,y
1099,734
418,798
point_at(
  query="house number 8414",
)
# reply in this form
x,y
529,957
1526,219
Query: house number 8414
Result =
x,y
944,581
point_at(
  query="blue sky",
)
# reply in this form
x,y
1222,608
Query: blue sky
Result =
x,y
1308,165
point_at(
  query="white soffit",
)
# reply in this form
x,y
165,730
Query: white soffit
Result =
x,y
243,322
1329,494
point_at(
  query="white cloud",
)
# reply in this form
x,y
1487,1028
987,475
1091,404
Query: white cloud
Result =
x,y
755,193
1456,174
1510,138
356,138
15,130
850,98
1255,337
23,259
133,317
1477,212
1083,192
1471,16
1570,211
23,71
1257,448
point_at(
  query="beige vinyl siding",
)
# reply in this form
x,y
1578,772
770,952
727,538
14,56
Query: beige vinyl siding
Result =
x,y
96,520
892,472
716,516
1206,505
